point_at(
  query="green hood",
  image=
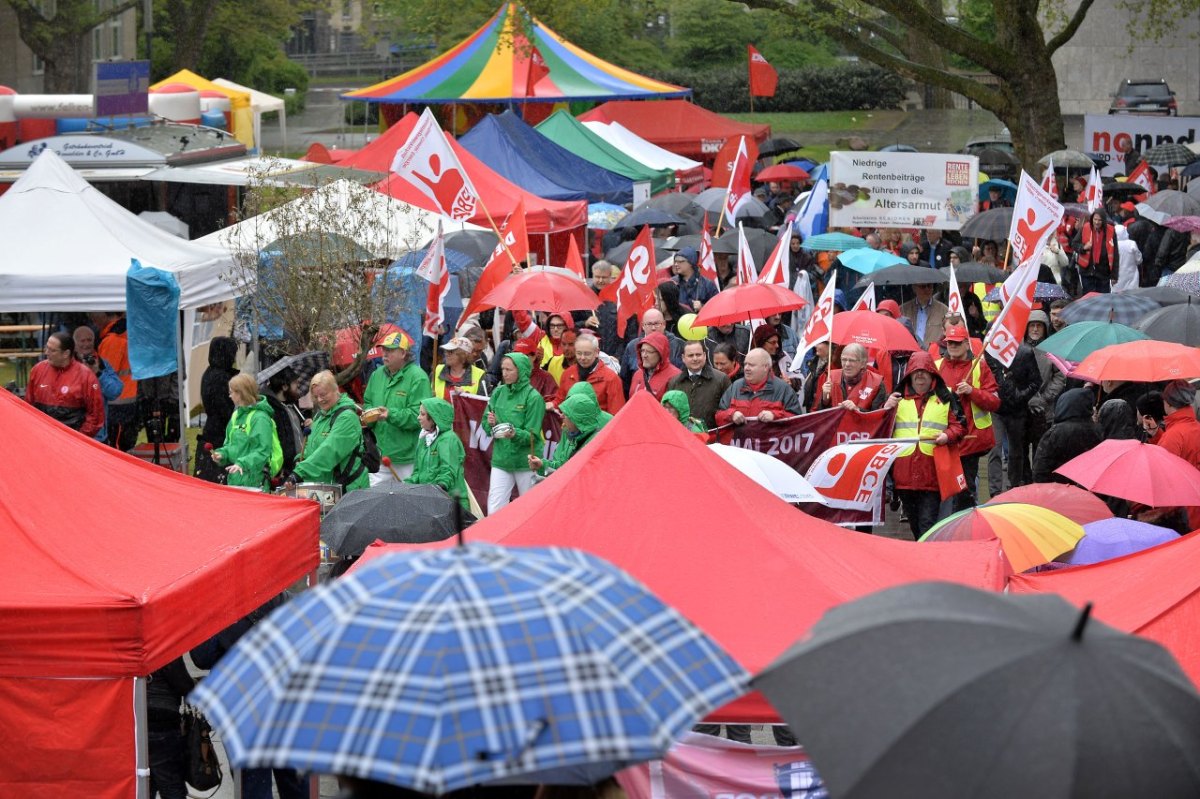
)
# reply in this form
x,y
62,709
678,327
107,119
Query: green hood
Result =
x,y
583,410
677,402
583,389
441,412
524,367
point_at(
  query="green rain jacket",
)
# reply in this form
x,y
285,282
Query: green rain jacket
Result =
x,y
441,463
333,443
248,439
401,394
581,408
522,407
678,404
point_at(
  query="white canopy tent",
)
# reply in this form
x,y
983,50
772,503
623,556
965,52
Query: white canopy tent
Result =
x,y
261,103
67,247
634,145
391,229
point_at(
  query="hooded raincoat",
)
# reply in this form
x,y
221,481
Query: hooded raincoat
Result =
x,y
333,446
522,407
1073,433
401,393
655,381
581,408
248,440
678,404
440,455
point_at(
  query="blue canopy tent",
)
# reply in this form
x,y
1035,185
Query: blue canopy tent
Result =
x,y
527,158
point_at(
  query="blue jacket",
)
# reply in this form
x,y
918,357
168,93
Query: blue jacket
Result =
x,y
697,288
110,388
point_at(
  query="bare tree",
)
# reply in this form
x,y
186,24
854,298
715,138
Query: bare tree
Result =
x,y
60,36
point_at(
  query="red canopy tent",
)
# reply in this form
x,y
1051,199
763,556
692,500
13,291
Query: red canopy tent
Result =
x,y
677,125
549,222
749,569
1154,593
113,567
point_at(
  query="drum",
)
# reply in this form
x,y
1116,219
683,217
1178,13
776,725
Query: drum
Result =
x,y
502,429
326,494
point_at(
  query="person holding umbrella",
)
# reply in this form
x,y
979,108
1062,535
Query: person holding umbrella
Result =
x,y
249,436
440,454
395,392
514,421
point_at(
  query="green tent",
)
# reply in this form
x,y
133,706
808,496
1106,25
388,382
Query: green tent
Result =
x,y
571,134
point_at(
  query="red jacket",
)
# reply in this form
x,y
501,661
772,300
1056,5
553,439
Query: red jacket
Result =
x,y
867,394
1086,259
1181,437
985,397
656,382
71,395
606,383
916,472
774,395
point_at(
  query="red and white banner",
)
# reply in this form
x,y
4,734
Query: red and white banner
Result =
x,y
535,69
468,425
1008,328
706,767
1094,193
1036,215
433,268
867,301
708,263
1050,180
779,262
953,296
763,77
502,261
820,325
852,475
747,270
1141,176
633,290
427,161
738,192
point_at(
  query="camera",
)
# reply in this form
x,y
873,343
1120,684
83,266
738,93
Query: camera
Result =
x,y
90,360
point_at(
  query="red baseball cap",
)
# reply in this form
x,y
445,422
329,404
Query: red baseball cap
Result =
x,y
957,333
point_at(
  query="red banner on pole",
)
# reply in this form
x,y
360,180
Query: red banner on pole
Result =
x,y
763,77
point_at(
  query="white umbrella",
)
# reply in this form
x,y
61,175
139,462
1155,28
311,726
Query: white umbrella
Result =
x,y
771,473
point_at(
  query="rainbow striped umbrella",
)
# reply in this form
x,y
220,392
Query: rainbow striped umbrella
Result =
x,y
1030,535
514,63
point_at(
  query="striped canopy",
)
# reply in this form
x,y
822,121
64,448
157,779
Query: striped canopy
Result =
x,y
494,64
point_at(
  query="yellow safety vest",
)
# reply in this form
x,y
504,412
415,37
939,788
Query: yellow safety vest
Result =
x,y
439,385
932,422
981,418
990,309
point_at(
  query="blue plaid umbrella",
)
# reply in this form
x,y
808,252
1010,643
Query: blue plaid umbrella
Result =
x,y
1123,308
440,670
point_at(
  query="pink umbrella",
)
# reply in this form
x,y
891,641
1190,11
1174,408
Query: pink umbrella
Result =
x,y
1144,473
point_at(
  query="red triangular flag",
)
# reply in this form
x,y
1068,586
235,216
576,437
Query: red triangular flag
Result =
x,y
763,77
633,290
574,260
500,265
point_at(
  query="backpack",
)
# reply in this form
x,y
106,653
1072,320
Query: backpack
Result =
x,y
276,463
367,453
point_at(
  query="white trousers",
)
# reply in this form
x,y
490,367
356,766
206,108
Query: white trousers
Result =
x,y
501,485
384,475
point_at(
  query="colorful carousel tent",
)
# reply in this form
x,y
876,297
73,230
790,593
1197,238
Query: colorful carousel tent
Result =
x,y
677,125
536,164
566,131
499,63
242,124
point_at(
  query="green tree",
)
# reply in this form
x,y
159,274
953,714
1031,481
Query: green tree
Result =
x,y
62,40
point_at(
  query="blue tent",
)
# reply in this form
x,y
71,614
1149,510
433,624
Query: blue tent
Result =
x,y
527,158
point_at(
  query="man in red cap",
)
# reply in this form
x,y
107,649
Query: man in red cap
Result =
x,y
975,385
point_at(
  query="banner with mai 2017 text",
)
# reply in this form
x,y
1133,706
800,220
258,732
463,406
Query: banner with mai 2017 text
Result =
x,y
908,190
798,442
468,424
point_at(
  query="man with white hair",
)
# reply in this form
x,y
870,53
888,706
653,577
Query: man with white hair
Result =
x,y
854,386
757,395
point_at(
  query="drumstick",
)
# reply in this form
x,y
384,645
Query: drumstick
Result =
x,y
388,463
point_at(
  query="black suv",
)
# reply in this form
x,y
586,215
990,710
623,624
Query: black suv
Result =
x,y
1144,97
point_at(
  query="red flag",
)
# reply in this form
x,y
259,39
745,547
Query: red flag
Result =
x,y
427,161
500,265
633,290
779,261
1094,193
1141,176
867,301
948,466
535,69
1008,329
763,77
708,263
433,268
747,271
574,260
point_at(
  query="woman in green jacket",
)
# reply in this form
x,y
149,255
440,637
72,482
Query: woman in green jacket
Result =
x,y
440,455
331,454
248,436
514,421
582,419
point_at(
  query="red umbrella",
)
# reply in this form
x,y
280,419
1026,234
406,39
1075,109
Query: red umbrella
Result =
x,y
1071,501
875,331
741,303
543,289
346,344
1144,473
1141,362
781,172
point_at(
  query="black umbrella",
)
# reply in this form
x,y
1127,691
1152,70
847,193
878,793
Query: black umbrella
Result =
x,y
1163,295
904,275
304,365
940,690
758,240
990,225
975,272
397,514
475,244
1174,203
620,254
654,217
1118,189
713,200
679,242
777,146
674,202
1178,323
998,163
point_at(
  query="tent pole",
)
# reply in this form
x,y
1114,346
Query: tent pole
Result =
x,y
181,385
141,739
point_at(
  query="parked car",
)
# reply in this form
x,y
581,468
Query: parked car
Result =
x,y
994,141
1150,97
